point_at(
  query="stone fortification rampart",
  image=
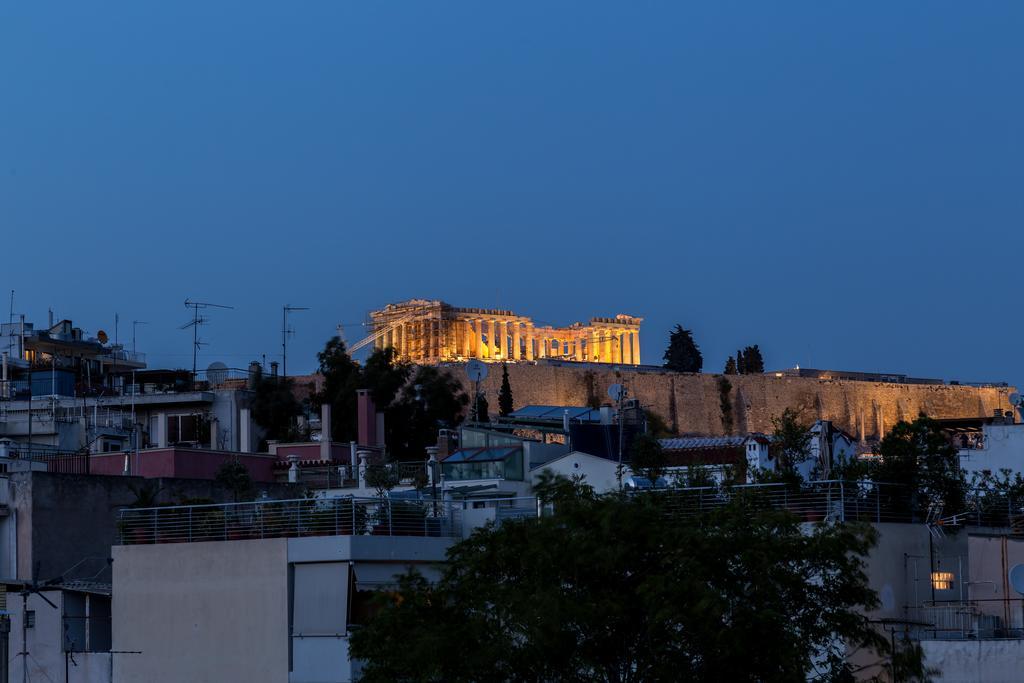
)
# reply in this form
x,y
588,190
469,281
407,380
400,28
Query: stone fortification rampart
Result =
x,y
693,401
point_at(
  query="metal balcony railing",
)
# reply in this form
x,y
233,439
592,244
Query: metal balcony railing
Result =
x,y
289,518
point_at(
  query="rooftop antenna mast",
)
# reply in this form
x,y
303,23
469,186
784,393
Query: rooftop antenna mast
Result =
x,y
136,323
196,321
288,308
10,318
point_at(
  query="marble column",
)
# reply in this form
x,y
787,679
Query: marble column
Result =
x,y
636,347
577,348
627,347
493,339
617,346
529,341
516,348
478,337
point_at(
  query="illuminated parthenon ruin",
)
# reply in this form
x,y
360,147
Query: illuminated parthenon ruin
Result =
x,y
435,332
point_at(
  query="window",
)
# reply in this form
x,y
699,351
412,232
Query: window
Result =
x,y
320,599
187,429
86,622
942,581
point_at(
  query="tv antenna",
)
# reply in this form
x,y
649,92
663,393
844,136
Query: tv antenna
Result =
x,y
285,332
196,321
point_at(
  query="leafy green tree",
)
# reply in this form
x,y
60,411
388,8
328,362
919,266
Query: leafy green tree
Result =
x,y
275,408
382,478
233,476
918,457
753,361
656,425
505,402
385,376
432,400
342,378
482,408
630,588
741,363
682,354
791,444
647,458
730,367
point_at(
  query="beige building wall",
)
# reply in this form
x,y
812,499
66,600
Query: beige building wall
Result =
x,y
230,626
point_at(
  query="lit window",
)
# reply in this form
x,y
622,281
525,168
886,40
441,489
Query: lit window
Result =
x,y
942,581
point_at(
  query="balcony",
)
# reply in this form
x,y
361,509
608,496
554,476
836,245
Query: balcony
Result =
x,y
288,519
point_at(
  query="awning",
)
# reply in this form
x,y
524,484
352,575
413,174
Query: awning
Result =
x,y
375,576
467,490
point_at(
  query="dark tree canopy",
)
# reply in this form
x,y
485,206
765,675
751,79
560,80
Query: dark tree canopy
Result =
x,y
482,408
431,400
505,401
416,402
682,354
647,458
919,457
274,408
791,444
748,361
233,476
753,361
342,378
622,589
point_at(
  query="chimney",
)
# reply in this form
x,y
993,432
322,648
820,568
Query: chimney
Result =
x,y
273,368
366,418
325,431
254,375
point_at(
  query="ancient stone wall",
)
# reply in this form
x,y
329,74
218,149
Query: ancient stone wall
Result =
x,y
692,402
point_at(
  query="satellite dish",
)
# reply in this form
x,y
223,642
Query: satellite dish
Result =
x,y
102,337
476,370
217,373
616,391
1015,399
1017,578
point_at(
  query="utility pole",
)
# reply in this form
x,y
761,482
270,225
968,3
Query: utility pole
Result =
x,y
196,321
288,308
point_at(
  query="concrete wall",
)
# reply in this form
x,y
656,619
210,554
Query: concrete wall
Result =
x,y
991,558
61,519
46,645
202,612
1003,449
873,406
206,612
600,473
975,661
184,463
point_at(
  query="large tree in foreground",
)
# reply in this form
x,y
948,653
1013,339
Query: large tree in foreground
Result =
x,y
625,588
682,354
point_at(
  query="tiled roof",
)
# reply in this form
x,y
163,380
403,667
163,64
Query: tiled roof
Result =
x,y
693,442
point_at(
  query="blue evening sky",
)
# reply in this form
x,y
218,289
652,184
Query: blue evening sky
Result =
x,y
841,183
